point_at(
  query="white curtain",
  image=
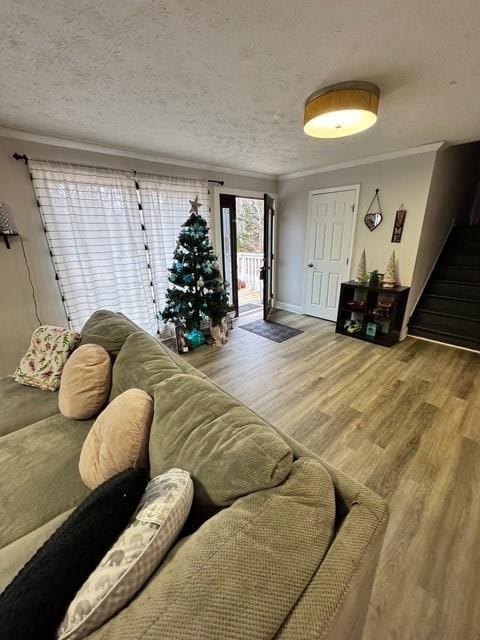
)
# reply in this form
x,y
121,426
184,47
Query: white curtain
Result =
x,y
165,204
94,230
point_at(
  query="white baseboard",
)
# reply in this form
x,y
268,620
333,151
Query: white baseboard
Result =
x,y
284,306
444,344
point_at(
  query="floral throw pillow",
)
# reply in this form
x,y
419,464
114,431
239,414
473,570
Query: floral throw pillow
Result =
x,y
43,363
133,558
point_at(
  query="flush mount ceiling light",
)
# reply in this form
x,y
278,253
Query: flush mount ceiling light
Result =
x,y
341,110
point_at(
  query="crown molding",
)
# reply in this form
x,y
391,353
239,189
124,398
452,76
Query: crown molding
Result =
x,y
392,155
66,143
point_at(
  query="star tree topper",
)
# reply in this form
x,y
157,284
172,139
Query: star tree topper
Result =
x,y
195,204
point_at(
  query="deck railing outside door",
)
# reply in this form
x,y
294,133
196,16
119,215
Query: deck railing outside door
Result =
x,y
249,265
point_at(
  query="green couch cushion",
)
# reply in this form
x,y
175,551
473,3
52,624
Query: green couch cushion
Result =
x,y
143,362
14,556
228,449
241,573
108,329
39,474
22,405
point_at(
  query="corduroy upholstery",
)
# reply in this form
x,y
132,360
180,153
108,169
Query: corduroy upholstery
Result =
x,y
241,573
333,601
142,363
18,552
39,476
108,329
20,405
229,450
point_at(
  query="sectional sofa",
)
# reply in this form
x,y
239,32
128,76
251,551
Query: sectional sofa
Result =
x,y
302,573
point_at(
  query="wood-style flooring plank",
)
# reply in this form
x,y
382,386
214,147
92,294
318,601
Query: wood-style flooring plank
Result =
x,y
404,421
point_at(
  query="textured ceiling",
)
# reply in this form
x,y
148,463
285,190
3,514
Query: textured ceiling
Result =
x,y
224,81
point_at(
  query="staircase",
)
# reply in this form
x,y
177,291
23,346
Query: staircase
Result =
x,y
449,309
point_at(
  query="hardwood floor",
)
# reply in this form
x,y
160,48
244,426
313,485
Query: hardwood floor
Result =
x,y
404,421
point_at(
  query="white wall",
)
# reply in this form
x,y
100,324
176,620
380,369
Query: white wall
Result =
x,y
17,319
403,180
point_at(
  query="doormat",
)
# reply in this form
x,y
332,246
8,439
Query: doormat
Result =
x,y
248,307
271,330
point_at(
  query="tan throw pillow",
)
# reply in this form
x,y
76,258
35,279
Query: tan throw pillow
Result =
x,y
85,382
43,363
118,438
136,554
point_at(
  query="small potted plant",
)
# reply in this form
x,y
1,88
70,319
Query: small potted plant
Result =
x,y
373,279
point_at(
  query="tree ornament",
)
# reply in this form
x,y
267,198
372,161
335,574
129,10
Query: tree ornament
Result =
x,y
390,277
200,282
361,272
195,205
219,333
195,338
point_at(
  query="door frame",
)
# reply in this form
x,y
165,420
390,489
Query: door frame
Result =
x,y
315,192
217,221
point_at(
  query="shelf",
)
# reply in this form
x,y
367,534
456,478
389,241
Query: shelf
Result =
x,y
348,310
6,237
367,313
388,327
366,287
382,339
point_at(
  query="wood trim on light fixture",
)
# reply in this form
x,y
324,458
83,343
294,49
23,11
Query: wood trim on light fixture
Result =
x,y
343,96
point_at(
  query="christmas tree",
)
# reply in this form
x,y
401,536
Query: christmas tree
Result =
x,y
198,289
361,273
390,277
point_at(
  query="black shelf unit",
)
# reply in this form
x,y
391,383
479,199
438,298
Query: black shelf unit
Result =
x,y
358,302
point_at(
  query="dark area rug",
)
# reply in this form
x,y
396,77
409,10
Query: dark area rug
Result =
x,y
271,330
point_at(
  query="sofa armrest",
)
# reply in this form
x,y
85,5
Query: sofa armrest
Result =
x,y
335,603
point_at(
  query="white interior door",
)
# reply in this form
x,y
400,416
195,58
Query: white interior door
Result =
x,y
329,241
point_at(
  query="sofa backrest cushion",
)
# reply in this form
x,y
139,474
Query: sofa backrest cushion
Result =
x,y
228,449
241,573
85,383
142,363
108,329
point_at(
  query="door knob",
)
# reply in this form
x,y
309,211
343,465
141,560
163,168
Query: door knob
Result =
x,y
310,264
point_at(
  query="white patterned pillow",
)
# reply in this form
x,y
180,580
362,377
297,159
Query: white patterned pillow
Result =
x,y
43,363
134,556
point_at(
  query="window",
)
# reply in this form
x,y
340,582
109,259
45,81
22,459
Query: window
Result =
x,y
108,252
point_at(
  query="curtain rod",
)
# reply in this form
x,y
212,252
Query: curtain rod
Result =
x,y
25,158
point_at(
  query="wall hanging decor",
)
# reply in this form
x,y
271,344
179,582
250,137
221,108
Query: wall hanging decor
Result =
x,y
6,228
398,224
361,272
374,215
5,224
390,277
